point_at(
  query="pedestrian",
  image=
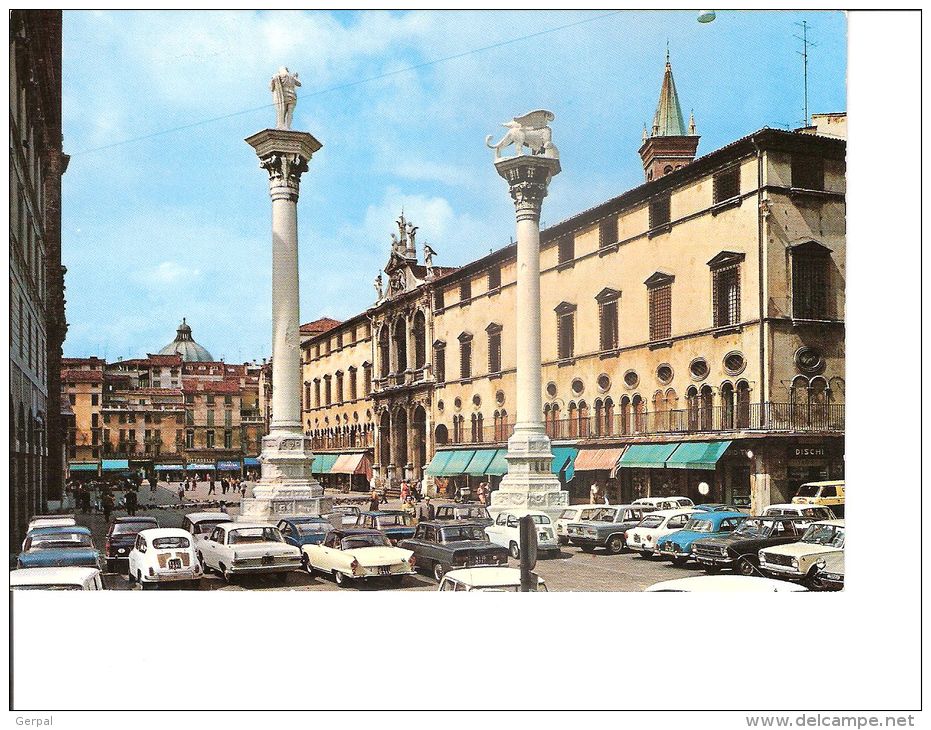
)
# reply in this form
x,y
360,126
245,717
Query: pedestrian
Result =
x,y
224,485
409,509
213,485
374,501
593,499
107,502
181,491
405,491
426,510
152,483
242,489
418,490
132,499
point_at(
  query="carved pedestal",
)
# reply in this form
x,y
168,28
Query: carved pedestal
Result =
x,y
530,482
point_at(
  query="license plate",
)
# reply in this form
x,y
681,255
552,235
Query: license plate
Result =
x,y
267,560
175,564
121,551
384,570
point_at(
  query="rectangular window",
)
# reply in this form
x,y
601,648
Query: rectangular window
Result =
x,y
810,285
95,420
659,212
227,439
367,377
607,232
72,398
438,302
807,172
607,315
189,440
339,340
106,436
725,285
465,290
228,419
661,312
228,401
210,439
353,393
317,393
339,387
307,401
494,277
494,351
188,397
210,417
727,184
465,359
178,436
565,334
566,249
106,418
327,390
179,418
132,434
210,399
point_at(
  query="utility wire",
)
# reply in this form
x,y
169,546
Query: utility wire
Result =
x,y
349,84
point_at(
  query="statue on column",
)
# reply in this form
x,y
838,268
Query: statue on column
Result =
x,y
530,131
428,254
283,91
378,290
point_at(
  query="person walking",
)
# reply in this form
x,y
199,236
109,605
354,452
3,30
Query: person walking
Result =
x,y
181,493
132,500
224,485
213,485
409,509
426,510
107,502
405,491
374,501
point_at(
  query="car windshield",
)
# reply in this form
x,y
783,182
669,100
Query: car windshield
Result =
x,y
363,541
540,519
777,511
651,521
754,528
684,502
829,535
172,542
131,528
603,515
464,532
467,513
49,587
254,534
205,527
808,490
698,525
312,528
569,514
393,520
58,541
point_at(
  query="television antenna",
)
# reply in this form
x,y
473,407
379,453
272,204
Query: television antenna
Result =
x,y
804,54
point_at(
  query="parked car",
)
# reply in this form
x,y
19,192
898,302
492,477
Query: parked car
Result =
x,y
300,531
56,579
350,513
121,535
575,513
58,547
655,525
724,584
358,554
51,521
830,573
740,550
719,508
442,546
394,524
815,511
606,527
506,531
201,524
663,503
829,494
473,512
488,579
677,546
799,560
248,548
164,555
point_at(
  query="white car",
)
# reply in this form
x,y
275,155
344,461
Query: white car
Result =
x,y
201,524
817,511
248,548
358,554
163,555
488,579
51,521
56,579
662,503
725,584
799,560
655,525
575,513
506,531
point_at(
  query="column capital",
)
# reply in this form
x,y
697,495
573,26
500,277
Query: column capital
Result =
x,y
285,155
528,178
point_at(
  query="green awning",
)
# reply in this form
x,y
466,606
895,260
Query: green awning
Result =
x,y
646,456
458,462
82,466
564,460
440,460
115,464
697,455
323,463
499,463
479,464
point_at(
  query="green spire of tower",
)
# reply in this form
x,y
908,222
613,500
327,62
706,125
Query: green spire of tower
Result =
x,y
668,122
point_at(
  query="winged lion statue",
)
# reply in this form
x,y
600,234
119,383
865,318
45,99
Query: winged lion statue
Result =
x,y
530,131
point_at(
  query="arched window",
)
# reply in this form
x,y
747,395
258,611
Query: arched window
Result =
x,y
625,414
798,403
639,407
691,400
573,423
598,421
384,354
442,435
505,435
660,416
420,340
743,404
818,403
583,429
707,408
727,406
400,344
608,424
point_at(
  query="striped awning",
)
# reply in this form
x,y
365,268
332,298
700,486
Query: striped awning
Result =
x,y
82,466
323,463
646,456
352,464
115,464
201,467
697,455
250,461
499,463
480,462
564,460
169,467
593,459
436,466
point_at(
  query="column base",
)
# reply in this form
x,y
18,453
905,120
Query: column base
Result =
x,y
530,482
287,487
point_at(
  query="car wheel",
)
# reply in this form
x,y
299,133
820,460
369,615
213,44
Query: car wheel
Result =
x,y
305,561
616,545
746,567
514,551
438,571
227,576
339,578
813,582
200,558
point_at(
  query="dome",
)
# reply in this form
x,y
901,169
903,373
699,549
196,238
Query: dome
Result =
x,y
184,345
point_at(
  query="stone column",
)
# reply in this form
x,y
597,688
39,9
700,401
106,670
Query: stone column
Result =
x,y
286,486
529,482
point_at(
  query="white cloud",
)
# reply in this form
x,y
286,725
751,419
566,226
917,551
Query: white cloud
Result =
x,y
168,272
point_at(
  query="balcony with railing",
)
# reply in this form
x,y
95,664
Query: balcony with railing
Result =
x,y
352,440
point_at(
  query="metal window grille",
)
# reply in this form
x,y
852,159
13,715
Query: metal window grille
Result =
x,y
727,184
353,393
659,212
566,249
438,299
440,363
609,324
607,232
494,277
565,325
368,380
339,387
494,352
661,312
810,285
725,284
465,359
465,289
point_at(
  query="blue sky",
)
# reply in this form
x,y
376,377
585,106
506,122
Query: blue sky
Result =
x,y
178,224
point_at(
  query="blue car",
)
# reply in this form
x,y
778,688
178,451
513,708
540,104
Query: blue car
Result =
x,y
300,531
677,546
58,547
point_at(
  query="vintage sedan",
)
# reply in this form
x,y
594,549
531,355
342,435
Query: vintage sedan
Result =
x,y
349,513
56,579
51,521
470,511
740,549
799,560
248,548
394,524
606,527
724,584
496,580
506,531
163,555
678,545
358,554
442,546
655,525
121,535
815,511
574,513
717,507
301,531
48,547
201,524
664,503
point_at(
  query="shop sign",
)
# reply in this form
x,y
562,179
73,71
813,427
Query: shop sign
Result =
x,y
808,452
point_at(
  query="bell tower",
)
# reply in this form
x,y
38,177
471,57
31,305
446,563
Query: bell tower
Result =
x,y
669,145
